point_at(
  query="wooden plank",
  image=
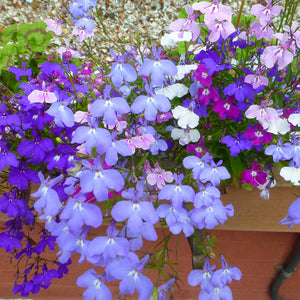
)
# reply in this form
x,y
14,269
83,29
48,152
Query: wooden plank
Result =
x,y
252,213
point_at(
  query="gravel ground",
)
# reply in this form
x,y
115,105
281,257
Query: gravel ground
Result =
x,y
123,18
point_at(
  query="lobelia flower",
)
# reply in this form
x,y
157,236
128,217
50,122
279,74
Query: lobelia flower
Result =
x,y
254,176
173,90
129,271
206,195
226,109
187,24
263,114
172,39
262,31
293,32
44,96
158,176
96,289
182,71
11,205
226,274
279,151
104,249
280,54
136,211
266,13
293,216
7,158
164,288
48,197
44,278
21,72
157,68
186,118
220,27
121,71
177,193
237,144
86,23
257,135
108,107
197,164
150,104
54,25
185,136
291,173
257,80
94,178
82,33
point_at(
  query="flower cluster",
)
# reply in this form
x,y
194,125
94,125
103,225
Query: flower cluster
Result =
x,y
148,139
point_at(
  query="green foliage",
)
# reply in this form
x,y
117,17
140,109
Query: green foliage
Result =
x,y
17,40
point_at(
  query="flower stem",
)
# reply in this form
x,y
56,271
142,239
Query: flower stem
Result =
x,y
240,13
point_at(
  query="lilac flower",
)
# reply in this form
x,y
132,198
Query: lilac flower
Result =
x,y
237,144
157,68
82,33
109,107
86,23
257,80
197,164
177,193
150,104
78,212
128,270
159,177
136,210
224,276
293,216
98,180
121,71
163,289
188,24
262,31
206,195
48,198
96,289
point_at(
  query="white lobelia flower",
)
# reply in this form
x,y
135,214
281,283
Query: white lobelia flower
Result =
x,y
280,126
291,174
174,90
185,117
294,119
171,39
185,136
183,70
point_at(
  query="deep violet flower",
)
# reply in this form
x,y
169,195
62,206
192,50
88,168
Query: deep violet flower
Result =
x,y
237,144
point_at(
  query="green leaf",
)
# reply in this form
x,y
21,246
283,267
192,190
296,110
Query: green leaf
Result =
x,y
6,56
182,48
8,34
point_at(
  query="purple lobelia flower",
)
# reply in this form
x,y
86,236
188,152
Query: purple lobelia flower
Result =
x,y
129,271
164,288
280,151
104,249
8,119
157,68
177,193
21,72
21,176
96,289
11,205
150,104
108,107
136,211
196,164
48,197
121,71
98,180
226,274
7,158
44,279
237,144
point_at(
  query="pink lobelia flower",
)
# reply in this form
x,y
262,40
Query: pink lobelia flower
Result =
x,y
188,24
159,177
280,54
220,27
263,114
261,31
257,79
54,25
293,32
213,10
82,33
266,13
45,95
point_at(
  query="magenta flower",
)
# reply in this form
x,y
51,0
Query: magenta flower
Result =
x,y
201,75
254,176
226,109
257,135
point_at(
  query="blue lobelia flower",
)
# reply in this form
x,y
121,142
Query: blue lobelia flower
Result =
x,y
121,71
150,104
96,289
98,180
109,107
157,68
